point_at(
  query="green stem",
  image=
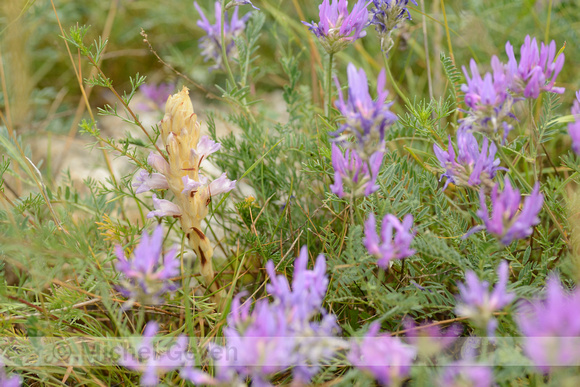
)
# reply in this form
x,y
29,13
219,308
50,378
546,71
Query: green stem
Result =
x,y
329,85
224,46
393,83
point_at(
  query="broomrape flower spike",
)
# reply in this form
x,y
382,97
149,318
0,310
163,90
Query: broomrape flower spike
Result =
x,y
211,44
478,304
471,167
149,363
537,70
387,248
365,118
186,149
386,15
147,275
350,170
505,222
549,325
337,27
385,357
574,127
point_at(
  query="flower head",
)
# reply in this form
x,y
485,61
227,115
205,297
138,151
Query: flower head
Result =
x,y
6,381
357,174
280,334
387,247
308,286
471,167
537,69
365,118
477,303
337,27
505,222
211,44
490,104
574,127
149,362
386,15
385,357
549,326
147,276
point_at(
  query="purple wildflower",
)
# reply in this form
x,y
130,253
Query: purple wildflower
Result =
x,y
387,248
537,70
158,94
488,99
471,167
478,304
549,327
460,374
280,334
351,170
429,340
386,15
211,44
506,223
385,357
6,381
147,276
338,28
149,362
365,118
574,127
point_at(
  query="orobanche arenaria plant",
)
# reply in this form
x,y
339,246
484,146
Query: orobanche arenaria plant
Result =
x,y
180,172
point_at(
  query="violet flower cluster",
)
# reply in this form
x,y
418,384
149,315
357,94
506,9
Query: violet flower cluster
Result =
x,y
151,364
367,121
537,69
386,15
574,127
471,166
490,97
211,44
388,247
147,276
338,27
552,327
357,174
505,221
278,335
478,304
8,381
383,356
